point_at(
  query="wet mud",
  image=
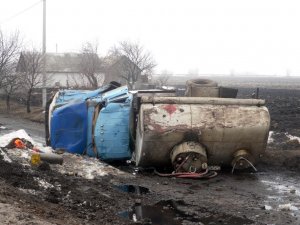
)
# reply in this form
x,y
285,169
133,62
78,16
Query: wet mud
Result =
x,y
43,195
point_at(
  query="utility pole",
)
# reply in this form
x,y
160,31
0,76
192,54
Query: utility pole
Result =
x,y
44,94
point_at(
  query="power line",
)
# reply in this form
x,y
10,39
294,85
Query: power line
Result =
x,y
21,12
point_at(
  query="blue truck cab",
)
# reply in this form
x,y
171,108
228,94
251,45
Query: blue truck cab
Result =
x,y
96,123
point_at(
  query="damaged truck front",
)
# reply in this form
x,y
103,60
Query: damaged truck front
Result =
x,y
207,127
96,123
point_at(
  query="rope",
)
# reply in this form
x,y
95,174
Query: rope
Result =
x,y
20,12
242,158
206,174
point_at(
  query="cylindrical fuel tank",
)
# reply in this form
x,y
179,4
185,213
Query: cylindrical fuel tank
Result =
x,y
222,126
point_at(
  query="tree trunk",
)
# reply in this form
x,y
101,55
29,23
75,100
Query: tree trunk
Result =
x,y
130,85
8,102
28,101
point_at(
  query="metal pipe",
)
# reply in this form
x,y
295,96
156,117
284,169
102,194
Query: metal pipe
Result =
x,y
44,90
202,100
51,158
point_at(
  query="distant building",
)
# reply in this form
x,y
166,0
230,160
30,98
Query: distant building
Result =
x,y
117,69
64,69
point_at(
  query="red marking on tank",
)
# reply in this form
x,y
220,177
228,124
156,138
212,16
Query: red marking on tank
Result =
x,y
170,108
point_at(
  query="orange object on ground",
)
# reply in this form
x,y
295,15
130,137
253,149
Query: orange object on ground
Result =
x,y
19,144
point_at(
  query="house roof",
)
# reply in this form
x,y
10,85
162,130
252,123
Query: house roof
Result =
x,y
111,63
63,62
71,62
59,62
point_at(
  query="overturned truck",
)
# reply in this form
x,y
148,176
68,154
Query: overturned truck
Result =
x,y
154,128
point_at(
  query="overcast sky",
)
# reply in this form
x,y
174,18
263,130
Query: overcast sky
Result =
x,y
215,36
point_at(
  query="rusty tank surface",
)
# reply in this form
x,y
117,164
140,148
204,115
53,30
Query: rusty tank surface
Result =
x,y
204,128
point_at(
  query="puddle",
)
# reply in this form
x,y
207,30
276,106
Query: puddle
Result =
x,y
164,212
282,186
169,213
285,194
139,190
225,220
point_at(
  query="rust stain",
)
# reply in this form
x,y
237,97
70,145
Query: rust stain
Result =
x,y
162,128
170,108
154,127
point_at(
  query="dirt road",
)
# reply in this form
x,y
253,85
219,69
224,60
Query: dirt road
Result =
x,y
45,195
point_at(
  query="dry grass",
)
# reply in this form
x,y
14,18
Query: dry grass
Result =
x,y
19,110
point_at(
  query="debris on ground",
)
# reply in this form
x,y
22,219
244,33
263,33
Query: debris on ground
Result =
x,y
74,165
5,140
63,184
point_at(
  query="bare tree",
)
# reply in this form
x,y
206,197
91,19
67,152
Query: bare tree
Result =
x,y
11,83
163,78
90,66
135,61
9,49
31,67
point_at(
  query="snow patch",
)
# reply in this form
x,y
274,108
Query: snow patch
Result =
x,y
268,207
291,137
43,183
5,157
47,149
5,139
287,207
91,168
273,185
25,155
270,138
86,167
30,191
286,191
76,165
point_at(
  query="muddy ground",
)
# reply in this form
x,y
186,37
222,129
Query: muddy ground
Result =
x,y
46,195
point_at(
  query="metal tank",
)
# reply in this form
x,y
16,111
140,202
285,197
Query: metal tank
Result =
x,y
201,131
201,87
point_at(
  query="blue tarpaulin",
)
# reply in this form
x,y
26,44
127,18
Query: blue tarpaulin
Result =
x,y
69,127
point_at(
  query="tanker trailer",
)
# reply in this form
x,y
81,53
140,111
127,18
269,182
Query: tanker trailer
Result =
x,y
191,133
